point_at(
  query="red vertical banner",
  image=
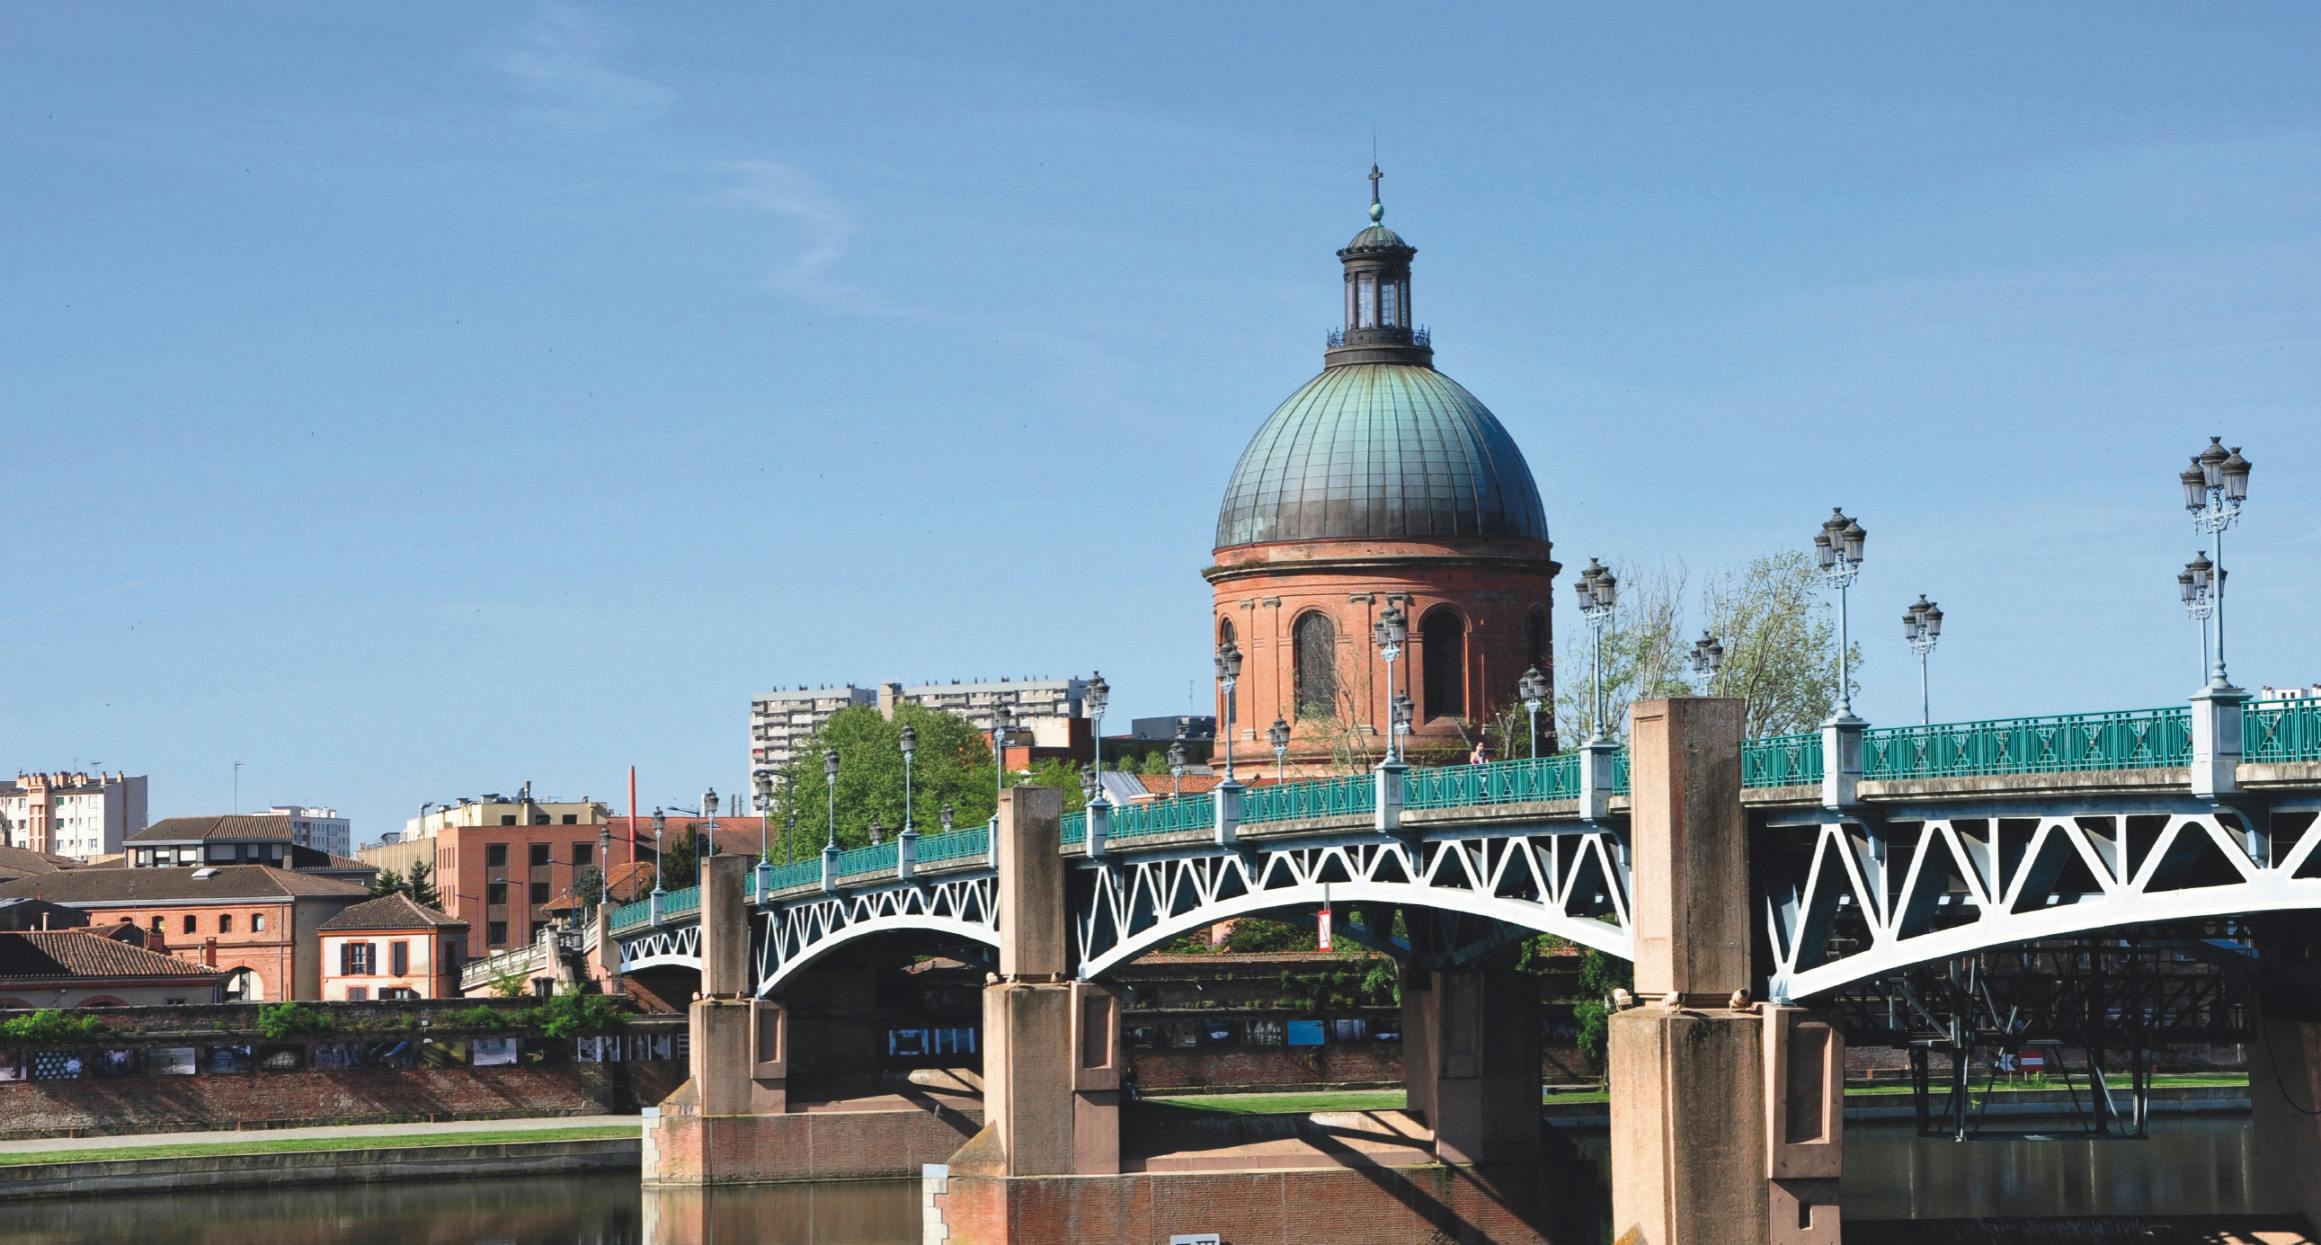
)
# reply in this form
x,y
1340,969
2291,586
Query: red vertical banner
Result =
x,y
1322,926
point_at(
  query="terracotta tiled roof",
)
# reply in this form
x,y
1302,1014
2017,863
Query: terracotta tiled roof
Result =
x,y
738,835
182,829
392,912
176,884
66,954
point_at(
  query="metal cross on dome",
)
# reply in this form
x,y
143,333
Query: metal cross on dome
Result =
x,y
1375,178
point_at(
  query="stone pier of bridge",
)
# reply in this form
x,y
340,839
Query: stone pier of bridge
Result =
x,y
1725,1112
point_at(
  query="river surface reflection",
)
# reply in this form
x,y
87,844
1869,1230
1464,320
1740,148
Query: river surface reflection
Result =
x,y
2191,1166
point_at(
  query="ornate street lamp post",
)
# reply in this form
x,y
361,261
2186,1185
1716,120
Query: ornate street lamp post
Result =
x,y
2197,583
2215,486
660,823
1837,555
1532,690
1389,633
1922,627
709,812
946,814
1708,657
908,741
1278,735
1228,674
1176,769
1094,698
1599,595
765,818
830,783
1090,783
1000,721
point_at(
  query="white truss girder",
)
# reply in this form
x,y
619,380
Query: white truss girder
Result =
x,y
957,907
1947,885
1569,880
662,946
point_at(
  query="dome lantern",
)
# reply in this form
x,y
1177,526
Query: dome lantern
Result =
x,y
1378,324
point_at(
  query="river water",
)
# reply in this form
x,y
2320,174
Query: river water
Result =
x,y
2191,1166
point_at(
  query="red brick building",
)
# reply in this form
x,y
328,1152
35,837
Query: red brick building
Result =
x,y
84,968
256,923
1381,483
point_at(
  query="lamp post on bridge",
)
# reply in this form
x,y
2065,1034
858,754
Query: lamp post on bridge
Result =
x,y
1176,769
757,873
1708,657
1096,696
1389,633
1402,711
709,814
908,740
830,784
1228,675
1599,595
1922,627
1000,720
1532,689
1278,735
2215,486
1837,554
2196,582
660,823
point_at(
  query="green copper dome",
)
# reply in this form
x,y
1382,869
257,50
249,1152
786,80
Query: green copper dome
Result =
x,y
1380,450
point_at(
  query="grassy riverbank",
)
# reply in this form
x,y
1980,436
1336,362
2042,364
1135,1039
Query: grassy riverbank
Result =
x,y
1393,1100
259,1144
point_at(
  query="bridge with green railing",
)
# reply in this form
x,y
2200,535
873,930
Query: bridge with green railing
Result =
x,y
2136,748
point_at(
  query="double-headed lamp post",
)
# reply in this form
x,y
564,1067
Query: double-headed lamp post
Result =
x,y
2197,583
1228,675
1708,657
2215,486
1599,595
1177,769
1531,689
709,812
1000,721
1094,698
1278,735
1922,627
1837,556
908,741
1389,633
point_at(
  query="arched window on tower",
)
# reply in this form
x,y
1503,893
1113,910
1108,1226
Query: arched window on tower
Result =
x,y
1366,301
1535,640
1314,638
1443,638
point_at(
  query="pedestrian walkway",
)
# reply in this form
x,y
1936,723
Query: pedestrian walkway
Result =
x,y
386,1132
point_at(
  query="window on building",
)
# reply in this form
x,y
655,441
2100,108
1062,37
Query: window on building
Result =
x,y
507,819
1366,301
584,853
495,855
398,992
257,922
225,922
539,855
157,925
358,994
189,922
572,819
1390,300
1443,639
354,959
495,893
398,958
1315,641
496,933
539,893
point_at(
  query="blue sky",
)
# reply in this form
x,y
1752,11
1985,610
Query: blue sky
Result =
x,y
407,401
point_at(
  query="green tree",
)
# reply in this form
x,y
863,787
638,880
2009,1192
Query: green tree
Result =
x,y
680,866
421,886
952,765
389,882
588,886
1064,776
1780,649
1154,763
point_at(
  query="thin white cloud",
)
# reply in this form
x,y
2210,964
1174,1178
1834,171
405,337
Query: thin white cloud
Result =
x,y
559,69
820,230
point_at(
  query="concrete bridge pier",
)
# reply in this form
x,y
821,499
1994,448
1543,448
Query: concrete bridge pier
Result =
x,y
2285,1067
1727,1115
1470,1061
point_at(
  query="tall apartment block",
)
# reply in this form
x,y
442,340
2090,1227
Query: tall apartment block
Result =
x,y
69,813
781,721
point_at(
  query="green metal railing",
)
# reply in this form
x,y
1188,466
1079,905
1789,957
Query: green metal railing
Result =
x,y
1185,812
877,858
936,849
2273,731
631,915
1781,760
681,902
1354,795
1499,782
2124,739
1620,772
796,873
1075,829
